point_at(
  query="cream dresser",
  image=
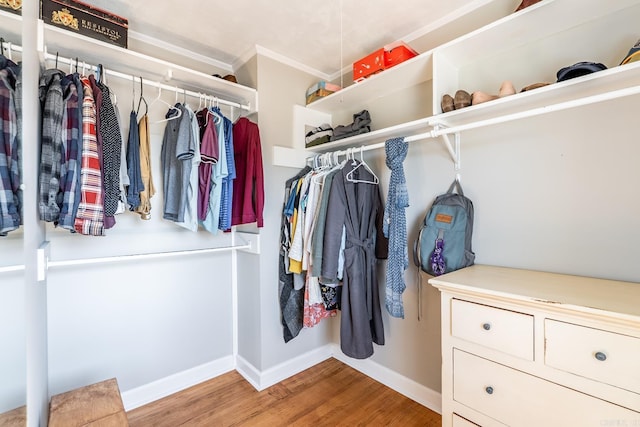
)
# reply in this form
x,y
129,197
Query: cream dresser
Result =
x,y
527,348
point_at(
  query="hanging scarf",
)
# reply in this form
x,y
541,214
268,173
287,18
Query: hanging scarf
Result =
x,y
395,226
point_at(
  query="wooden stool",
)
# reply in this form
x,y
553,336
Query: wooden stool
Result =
x,y
96,405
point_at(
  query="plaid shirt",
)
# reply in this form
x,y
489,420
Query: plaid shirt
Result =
x,y
50,194
90,215
72,149
9,151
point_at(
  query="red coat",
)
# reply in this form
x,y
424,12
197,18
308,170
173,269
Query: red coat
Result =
x,y
248,187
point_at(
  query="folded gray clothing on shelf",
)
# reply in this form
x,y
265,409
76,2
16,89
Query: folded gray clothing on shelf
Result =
x,y
353,133
318,141
360,121
313,136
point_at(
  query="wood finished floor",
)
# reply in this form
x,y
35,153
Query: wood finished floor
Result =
x,y
328,394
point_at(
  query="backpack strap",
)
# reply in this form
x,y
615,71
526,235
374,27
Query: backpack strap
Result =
x,y
455,184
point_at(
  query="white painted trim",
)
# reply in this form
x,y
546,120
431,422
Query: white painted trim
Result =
x,y
143,38
163,387
403,385
265,379
290,62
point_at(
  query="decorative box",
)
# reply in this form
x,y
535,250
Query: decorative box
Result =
x,y
13,6
323,85
369,65
397,52
320,93
85,19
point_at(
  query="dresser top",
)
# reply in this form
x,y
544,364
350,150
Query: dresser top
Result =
x,y
586,294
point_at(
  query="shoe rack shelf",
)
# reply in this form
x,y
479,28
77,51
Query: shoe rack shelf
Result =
x,y
525,47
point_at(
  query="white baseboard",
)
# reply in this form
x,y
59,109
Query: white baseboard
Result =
x,y
395,381
261,380
163,387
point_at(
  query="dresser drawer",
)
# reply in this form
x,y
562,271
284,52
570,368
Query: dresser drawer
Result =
x,y
593,353
503,330
458,421
515,398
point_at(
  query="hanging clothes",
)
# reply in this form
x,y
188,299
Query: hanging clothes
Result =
x,y
176,155
90,216
291,299
52,103
136,185
148,191
395,226
357,208
248,189
10,146
190,221
208,157
111,152
218,172
71,151
226,195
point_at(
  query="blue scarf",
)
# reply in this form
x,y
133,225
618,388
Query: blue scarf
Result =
x,y
395,226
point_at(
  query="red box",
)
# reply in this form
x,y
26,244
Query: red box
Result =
x,y
369,65
396,53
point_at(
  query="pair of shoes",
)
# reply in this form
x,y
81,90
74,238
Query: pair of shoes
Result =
x,y
460,100
506,89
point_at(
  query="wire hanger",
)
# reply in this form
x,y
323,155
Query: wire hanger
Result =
x,y
363,164
171,107
141,100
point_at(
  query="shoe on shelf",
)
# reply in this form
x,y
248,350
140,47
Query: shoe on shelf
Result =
x,y
506,89
478,97
447,103
534,86
462,99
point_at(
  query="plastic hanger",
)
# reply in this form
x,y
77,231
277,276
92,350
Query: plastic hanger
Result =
x,y
363,164
171,107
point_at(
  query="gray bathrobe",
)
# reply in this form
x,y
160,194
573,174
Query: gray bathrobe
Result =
x,y
357,207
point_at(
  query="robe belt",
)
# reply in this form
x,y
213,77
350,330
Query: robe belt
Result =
x,y
369,249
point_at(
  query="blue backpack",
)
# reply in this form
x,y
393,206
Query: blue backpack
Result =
x,y
444,241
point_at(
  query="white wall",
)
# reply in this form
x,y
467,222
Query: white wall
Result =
x,y
12,336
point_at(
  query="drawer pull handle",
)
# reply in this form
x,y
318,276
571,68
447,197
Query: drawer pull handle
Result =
x,y
489,390
486,326
601,356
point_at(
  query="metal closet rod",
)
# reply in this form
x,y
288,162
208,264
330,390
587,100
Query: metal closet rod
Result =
x,y
152,83
445,131
121,258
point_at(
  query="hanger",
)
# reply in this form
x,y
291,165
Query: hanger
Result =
x,y
171,107
10,55
1,45
141,100
364,164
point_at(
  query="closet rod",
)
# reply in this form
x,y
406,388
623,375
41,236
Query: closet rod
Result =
x,y
152,83
123,258
445,131
11,268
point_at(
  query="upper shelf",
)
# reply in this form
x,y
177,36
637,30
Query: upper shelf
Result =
x,y
92,51
409,73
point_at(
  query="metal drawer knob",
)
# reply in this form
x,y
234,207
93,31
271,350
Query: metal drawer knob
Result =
x,y
601,356
486,326
489,390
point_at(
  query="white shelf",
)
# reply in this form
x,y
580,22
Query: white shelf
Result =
x,y
409,73
71,45
525,47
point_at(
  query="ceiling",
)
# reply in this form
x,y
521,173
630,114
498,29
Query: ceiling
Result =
x,y
311,33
